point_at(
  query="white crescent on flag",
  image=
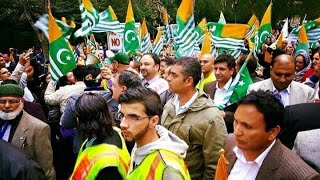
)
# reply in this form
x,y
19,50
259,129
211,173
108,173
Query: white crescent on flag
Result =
x,y
59,55
127,34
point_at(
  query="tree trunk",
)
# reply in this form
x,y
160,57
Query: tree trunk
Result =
x,y
41,37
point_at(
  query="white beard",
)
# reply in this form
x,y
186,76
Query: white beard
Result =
x,y
11,115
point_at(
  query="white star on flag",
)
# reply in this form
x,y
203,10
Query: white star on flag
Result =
x,y
241,83
68,58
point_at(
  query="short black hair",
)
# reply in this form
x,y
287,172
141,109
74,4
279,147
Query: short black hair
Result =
x,y
155,57
129,79
267,104
93,114
146,96
231,62
78,73
191,67
169,61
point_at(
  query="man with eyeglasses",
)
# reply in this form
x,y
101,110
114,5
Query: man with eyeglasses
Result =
x,y
23,130
158,153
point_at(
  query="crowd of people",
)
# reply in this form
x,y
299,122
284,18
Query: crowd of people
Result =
x,y
158,117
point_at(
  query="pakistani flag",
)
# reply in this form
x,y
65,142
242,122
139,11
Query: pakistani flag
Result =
x,y
313,32
145,38
222,20
108,22
43,25
130,37
185,36
264,31
228,37
244,80
61,55
302,46
239,85
158,43
89,18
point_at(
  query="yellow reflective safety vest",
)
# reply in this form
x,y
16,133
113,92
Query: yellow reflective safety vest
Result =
x,y
95,158
154,164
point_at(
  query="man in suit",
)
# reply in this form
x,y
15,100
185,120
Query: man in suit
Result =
x,y
299,117
23,130
281,83
224,69
253,151
307,147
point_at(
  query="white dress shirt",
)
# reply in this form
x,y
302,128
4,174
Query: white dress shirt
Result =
x,y
247,170
221,93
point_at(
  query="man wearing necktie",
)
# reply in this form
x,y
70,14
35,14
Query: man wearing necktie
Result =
x,y
282,85
23,130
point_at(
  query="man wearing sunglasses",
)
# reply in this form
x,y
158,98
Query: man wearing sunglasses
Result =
x,y
157,153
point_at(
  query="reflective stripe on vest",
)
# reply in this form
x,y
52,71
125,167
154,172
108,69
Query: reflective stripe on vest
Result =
x,y
153,166
95,158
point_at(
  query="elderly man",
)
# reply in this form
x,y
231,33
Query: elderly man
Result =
x,y
281,83
253,151
23,130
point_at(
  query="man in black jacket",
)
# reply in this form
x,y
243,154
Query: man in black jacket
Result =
x,y
15,164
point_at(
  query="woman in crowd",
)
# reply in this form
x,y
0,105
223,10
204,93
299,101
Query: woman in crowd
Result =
x,y
302,62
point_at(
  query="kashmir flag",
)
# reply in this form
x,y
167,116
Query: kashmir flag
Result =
x,y
108,22
91,46
66,29
228,37
185,36
222,20
313,31
158,43
222,171
206,44
302,46
200,30
130,37
254,26
145,38
168,32
264,31
61,55
89,18
279,41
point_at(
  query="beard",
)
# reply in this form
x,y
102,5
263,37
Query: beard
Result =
x,y
11,115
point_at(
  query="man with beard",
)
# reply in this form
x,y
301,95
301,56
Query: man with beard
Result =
x,y
150,64
158,153
23,130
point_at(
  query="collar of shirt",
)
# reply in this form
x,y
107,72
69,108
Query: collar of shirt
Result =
x,y
152,80
274,89
181,109
225,87
259,160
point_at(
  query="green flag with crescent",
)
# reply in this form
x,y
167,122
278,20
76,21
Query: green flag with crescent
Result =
x,y
130,37
62,59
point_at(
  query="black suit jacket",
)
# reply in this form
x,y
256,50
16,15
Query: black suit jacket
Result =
x,y
299,117
210,89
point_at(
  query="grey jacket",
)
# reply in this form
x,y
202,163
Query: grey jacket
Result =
x,y
202,127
